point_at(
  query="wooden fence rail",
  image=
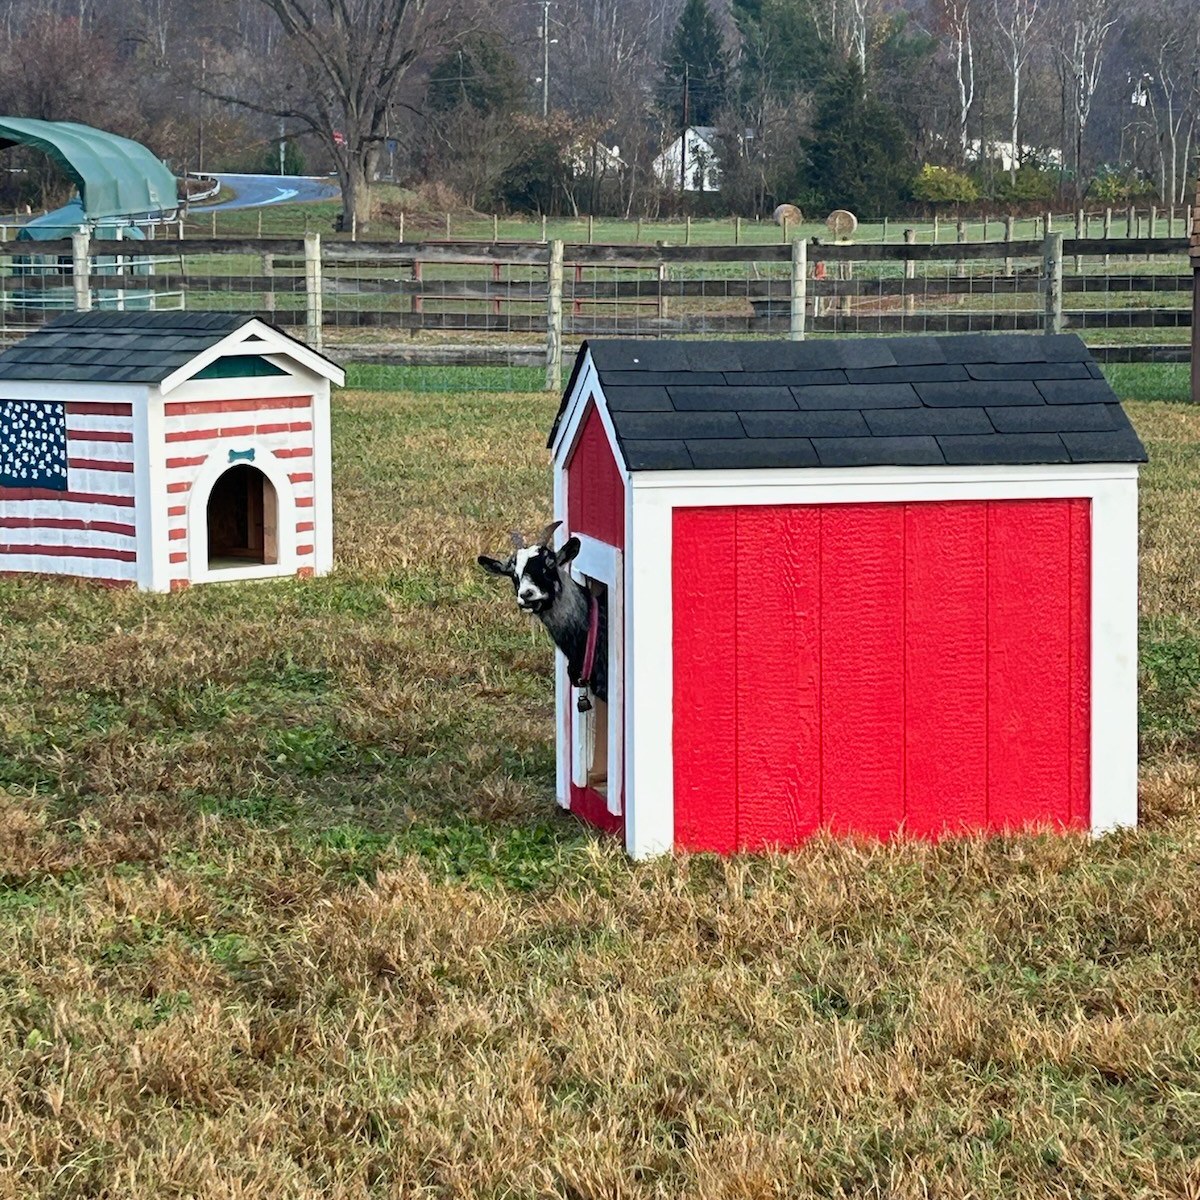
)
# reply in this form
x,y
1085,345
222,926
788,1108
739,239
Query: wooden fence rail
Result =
x,y
543,293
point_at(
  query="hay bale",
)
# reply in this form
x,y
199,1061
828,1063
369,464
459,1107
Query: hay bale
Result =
x,y
788,213
841,223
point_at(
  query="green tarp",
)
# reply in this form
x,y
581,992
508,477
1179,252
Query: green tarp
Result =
x,y
62,222
116,177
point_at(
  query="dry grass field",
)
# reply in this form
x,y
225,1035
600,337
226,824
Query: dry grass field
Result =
x,y
287,910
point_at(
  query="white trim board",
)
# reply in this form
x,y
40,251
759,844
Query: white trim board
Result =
x,y
649,798
602,562
255,337
587,385
215,465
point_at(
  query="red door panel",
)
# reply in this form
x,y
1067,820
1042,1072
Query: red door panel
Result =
x,y
873,668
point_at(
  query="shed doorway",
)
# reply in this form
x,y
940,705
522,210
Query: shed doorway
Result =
x,y
243,519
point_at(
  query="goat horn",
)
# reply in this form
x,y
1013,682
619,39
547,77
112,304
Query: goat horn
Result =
x,y
518,539
548,534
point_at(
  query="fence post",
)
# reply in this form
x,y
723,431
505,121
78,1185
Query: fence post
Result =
x,y
1153,225
591,228
543,229
1194,237
960,267
401,229
687,229
885,228
1130,228
495,228
554,295
1052,265
312,288
910,272
737,231
1010,226
936,228
268,270
81,269
799,288
1107,233
1080,229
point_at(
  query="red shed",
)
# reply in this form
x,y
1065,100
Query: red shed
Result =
x,y
877,586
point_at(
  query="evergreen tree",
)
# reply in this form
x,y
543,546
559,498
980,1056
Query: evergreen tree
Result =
x,y
696,77
782,49
480,73
860,155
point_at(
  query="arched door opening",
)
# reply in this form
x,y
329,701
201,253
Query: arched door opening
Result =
x,y
242,519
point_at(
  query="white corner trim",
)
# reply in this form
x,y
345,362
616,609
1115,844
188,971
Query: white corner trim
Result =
x,y
322,460
150,501
602,562
214,467
256,337
1114,656
562,685
650,678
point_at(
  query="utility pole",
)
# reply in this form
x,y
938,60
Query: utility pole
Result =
x,y
684,136
545,59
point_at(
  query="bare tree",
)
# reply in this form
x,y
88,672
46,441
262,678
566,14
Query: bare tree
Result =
x,y
1015,19
347,60
1169,38
1086,29
844,24
956,16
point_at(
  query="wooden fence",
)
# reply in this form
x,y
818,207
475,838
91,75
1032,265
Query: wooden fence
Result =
x,y
517,303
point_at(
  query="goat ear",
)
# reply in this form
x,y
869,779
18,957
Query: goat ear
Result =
x,y
567,551
492,565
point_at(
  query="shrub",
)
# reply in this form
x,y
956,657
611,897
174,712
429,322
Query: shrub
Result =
x,y
943,185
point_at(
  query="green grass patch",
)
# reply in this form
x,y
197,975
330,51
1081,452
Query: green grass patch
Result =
x,y
288,908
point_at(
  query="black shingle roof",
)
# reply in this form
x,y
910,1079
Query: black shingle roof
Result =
x,y
116,347
971,399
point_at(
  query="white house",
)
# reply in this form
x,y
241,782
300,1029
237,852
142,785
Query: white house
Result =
x,y
691,163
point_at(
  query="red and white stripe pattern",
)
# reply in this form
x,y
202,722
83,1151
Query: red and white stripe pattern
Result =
x,y
280,425
88,530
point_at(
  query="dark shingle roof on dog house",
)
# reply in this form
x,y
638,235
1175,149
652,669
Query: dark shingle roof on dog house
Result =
x,y
972,399
116,347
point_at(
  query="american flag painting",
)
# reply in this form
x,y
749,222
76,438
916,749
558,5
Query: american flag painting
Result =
x,y
33,444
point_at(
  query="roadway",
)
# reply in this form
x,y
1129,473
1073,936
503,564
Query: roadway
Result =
x,y
260,191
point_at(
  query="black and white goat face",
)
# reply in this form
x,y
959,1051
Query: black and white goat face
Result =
x,y
537,572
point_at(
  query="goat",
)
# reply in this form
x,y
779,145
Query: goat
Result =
x,y
545,588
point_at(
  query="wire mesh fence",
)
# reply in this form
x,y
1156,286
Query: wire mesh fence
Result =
x,y
443,315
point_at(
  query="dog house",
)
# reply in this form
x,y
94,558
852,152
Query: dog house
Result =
x,y
877,586
159,450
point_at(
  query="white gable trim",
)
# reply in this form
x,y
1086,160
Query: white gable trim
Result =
x,y
587,386
1112,489
256,337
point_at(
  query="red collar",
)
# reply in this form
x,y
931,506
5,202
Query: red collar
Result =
x,y
593,635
